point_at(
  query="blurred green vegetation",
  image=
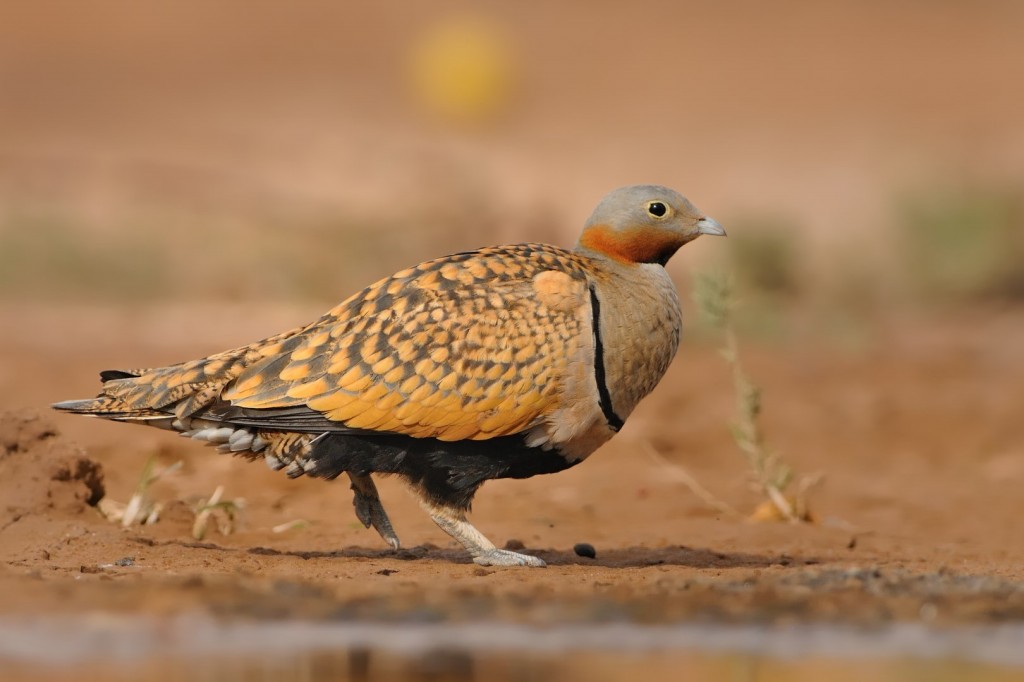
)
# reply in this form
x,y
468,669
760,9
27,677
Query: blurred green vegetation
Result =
x,y
765,254
942,246
49,255
43,255
764,262
963,244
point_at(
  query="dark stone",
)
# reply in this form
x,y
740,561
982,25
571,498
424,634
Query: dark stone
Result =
x,y
585,549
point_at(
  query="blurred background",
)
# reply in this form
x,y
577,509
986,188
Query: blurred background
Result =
x,y
856,151
179,177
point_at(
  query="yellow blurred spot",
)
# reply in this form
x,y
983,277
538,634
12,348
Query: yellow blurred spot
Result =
x,y
462,70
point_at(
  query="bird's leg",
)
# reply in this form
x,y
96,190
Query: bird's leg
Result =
x,y
453,521
369,510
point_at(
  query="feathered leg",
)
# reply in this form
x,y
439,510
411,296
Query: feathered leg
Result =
x,y
452,520
369,510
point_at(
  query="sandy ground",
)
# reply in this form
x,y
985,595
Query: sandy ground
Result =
x,y
218,148
915,434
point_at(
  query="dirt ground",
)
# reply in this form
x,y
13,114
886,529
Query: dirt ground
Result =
x,y
916,435
177,181
916,432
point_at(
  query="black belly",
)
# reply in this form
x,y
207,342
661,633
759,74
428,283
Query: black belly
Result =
x,y
448,473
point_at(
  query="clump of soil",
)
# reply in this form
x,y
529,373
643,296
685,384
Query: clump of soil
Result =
x,y
41,472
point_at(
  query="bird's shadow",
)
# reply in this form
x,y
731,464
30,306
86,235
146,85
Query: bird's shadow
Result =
x,y
624,557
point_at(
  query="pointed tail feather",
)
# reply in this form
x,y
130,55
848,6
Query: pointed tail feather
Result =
x,y
107,408
87,406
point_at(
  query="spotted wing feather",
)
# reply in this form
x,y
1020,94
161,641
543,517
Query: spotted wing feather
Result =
x,y
473,346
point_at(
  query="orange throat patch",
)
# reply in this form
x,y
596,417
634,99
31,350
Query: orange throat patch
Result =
x,y
633,245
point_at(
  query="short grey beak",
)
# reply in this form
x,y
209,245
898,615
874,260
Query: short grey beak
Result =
x,y
710,226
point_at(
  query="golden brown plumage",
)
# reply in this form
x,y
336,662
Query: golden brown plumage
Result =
x,y
501,362
459,348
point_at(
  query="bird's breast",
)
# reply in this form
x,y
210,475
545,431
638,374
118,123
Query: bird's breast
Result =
x,y
633,322
639,326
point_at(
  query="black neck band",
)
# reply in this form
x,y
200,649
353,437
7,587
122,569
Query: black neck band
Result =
x,y
604,398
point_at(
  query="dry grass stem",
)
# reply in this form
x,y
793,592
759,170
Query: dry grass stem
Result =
x,y
141,508
225,513
683,476
771,476
295,524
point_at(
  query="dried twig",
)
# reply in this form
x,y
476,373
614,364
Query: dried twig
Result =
x,y
226,513
141,508
290,525
771,475
679,473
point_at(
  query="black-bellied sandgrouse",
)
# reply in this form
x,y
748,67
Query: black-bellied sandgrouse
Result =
x,y
505,362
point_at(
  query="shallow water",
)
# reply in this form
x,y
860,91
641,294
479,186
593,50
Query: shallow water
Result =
x,y
201,648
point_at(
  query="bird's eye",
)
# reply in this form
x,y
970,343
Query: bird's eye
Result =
x,y
657,209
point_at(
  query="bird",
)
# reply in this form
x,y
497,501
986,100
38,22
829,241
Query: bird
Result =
x,y
501,362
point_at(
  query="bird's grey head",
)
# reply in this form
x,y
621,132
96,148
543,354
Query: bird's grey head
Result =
x,y
644,224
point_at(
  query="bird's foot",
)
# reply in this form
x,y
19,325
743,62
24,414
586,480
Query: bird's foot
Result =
x,y
504,557
370,511
452,520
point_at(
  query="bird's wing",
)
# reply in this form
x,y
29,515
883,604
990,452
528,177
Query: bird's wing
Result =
x,y
473,346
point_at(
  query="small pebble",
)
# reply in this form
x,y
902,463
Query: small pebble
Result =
x,y
585,549
125,561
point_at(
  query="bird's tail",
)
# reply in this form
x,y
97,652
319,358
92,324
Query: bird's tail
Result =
x,y
93,406
159,395
109,407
